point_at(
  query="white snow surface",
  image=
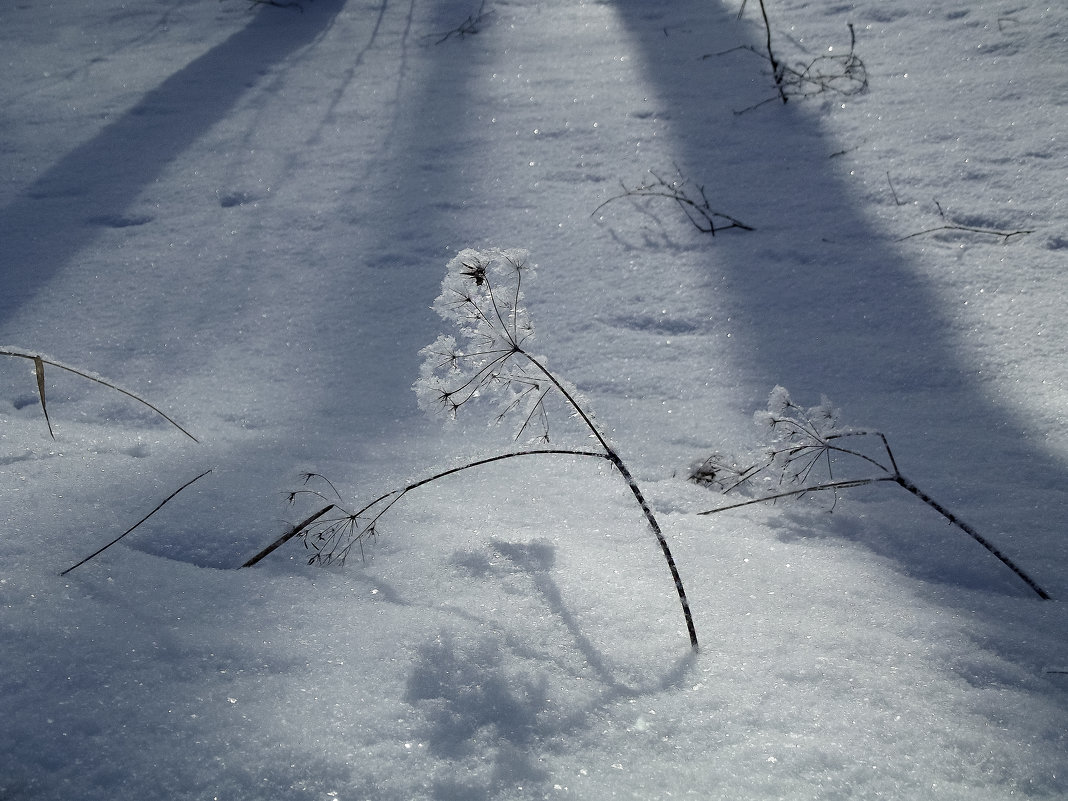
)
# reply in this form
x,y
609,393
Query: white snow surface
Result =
x,y
243,215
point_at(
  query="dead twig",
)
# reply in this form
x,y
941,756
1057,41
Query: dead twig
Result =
x,y
808,443
1005,235
697,208
469,27
842,74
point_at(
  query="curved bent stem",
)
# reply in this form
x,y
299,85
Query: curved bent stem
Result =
x,y
39,362
396,495
617,462
971,532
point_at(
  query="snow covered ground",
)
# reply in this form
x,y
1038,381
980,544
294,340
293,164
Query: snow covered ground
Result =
x,y
244,215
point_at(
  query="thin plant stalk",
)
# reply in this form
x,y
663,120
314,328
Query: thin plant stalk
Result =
x,y
38,366
395,495
806,443
617,462
163,503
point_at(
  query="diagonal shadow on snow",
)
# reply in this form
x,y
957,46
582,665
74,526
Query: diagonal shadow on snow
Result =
x,y
95,183
823,302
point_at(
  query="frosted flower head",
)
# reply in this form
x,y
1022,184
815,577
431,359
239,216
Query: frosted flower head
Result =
x,y
800,435
794,423
487,357
482,292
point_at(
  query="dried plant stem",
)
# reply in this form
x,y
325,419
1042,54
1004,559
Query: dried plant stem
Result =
x,y
1005,235
893,475
830,485
697,211
617,462
776,69
971,532
843,74
468,27
40,361
135,525
396,495
278,543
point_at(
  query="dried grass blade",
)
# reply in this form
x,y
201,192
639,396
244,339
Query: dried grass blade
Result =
x,y
125,392
40,361
38,369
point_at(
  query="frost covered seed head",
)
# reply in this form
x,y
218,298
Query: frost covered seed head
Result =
x,y
482,296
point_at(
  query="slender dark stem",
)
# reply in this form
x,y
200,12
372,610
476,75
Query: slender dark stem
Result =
x,y
398,494
776,70
278,543
662,540
833,485
971,532
39,361
614,458
1005,235
135,525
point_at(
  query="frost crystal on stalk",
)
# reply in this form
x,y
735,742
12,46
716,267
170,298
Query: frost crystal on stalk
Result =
x,y
482,295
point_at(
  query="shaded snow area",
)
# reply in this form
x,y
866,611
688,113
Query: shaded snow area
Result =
x,y
243,215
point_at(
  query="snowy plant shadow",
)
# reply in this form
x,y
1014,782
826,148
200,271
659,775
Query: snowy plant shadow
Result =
x,y
491,704
535,561
477,710
488,716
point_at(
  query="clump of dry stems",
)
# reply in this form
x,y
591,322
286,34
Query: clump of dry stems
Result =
x,y
690,198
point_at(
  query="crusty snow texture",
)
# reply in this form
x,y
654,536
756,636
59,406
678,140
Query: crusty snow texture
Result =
x,y
243,213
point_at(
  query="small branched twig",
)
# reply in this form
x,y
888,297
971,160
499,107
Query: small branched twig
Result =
x,y
1004,235
971,229
842,74
697,209
482,294
777,69
39,363
806,446
469,27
